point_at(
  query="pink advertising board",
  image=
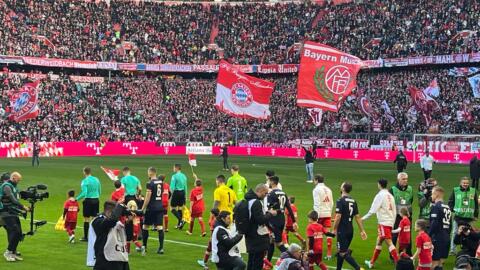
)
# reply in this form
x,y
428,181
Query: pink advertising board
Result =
x,y
71,149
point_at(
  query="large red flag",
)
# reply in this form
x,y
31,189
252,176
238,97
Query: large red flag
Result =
x,y
241,95
326,77
24,102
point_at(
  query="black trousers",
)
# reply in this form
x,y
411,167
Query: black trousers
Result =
x,y
235,263
427,174
400,169
14,231
225,163
395,235
102,264
255,260
475,182
35,159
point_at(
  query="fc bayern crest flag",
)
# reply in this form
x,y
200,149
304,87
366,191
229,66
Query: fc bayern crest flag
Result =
x,y
24,102
241,95
326,77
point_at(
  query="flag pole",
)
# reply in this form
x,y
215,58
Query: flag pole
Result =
x,y
236,131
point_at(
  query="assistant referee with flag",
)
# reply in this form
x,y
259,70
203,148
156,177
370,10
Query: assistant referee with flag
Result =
x,y
91,190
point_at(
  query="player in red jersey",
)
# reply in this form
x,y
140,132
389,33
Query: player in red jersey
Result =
x,y
315,232
403,230
289,224
167,193
211,222
424,246
197,207
119,192
70,212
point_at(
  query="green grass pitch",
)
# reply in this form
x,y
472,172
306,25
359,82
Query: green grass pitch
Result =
x,y
48,249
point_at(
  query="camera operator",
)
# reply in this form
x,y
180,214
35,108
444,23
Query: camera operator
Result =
x,y
293,259
111,239
10,208
425,198
468,239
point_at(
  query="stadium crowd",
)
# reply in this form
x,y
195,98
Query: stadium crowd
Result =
x,y
247,33
118,110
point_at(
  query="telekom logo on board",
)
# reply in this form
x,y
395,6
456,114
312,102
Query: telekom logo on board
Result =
x,y
131,148
95,148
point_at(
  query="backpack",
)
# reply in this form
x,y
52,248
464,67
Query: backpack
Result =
x,y
241,215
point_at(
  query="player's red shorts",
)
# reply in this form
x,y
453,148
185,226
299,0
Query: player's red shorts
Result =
x,y
423,268
289,229
384,232
326,222
315,258
69,225
197,215
402,246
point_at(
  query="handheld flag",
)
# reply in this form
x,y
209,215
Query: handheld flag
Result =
x,y
60,225
241,95
326,77
24,102
186,215
111,173
192,160
316,116
475,84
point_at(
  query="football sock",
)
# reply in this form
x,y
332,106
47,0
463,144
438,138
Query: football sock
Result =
x,y
393,252
86,225
339,262
207,252
145,237
299,237
285,237
161,238
180,215
191,225
329,246
376,253
202,225
352,261
322,266
165,221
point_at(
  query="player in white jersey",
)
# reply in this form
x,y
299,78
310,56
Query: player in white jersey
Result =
x,y
384,207
323,205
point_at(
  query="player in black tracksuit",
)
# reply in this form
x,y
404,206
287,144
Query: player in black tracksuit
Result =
x,y
278,200
346,210
440,218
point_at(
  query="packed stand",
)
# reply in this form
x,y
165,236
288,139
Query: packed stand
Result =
x,y
183,109
245,33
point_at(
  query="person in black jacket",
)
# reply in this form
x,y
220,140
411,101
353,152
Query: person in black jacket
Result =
x,y
401,161
257,238
224,156
110,249
475,171
309,159
35,154
225,252
468,239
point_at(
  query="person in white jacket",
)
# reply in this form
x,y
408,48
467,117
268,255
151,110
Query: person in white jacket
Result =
x,y
384,207
323,205
426,163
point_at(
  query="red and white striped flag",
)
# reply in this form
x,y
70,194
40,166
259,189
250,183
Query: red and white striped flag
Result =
x,y
111,173
192,160
241,95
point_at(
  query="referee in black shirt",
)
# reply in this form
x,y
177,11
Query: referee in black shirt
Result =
x,y
346,210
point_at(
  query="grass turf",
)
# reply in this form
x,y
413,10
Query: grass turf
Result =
x,y
48,249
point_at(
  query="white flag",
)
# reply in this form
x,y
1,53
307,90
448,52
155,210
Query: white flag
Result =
x,y
316,115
